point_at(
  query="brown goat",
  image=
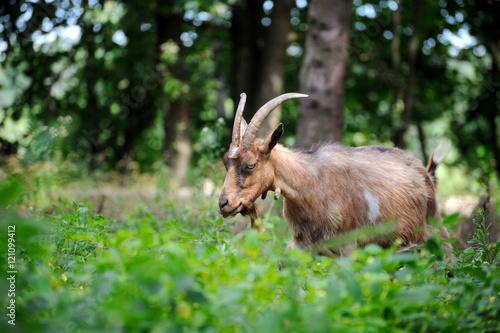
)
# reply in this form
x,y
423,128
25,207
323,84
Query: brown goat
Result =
x,y
330,189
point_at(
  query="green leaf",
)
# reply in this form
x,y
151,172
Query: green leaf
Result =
x,y
450,220
83,210
57,209
80,237
10,191
496,249
409,297
434,248
352,285
188,235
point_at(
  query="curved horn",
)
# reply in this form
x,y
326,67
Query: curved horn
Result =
x,y
237,119
262,113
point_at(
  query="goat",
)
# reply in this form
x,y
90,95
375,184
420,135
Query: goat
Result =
x,y
330,189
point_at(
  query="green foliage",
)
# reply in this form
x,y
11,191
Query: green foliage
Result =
x,y
482,250
210,148
79,271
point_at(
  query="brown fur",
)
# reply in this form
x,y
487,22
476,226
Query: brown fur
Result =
x,y
333,189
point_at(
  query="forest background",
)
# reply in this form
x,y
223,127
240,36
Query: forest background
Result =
x,y
116,85
114,116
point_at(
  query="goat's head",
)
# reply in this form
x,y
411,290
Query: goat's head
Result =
x,y
248,176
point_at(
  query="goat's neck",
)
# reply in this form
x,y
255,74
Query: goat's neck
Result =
x,y
294,175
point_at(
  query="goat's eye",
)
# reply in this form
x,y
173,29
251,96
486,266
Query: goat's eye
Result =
x,y
250,166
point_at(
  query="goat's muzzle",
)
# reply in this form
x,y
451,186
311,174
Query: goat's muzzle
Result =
x,y
228,209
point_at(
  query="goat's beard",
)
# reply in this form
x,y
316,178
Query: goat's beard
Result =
x,y
249,209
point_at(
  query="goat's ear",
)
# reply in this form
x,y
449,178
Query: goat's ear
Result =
x,y
272,139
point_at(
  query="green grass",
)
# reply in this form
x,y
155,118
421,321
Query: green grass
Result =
x,y
180,268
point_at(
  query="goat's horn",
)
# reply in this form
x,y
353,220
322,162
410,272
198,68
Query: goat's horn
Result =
x,y
237,119
262,113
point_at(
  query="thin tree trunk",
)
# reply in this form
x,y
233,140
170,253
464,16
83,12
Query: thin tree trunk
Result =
x,y
92,104
494,48
272,66
396,38
177,143
409,94
131,132
494,139
244,36
138,108
260,56
421,137
179,152
396,87
324,70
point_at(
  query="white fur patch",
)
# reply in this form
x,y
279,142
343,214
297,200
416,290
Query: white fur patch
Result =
x,y
294,245
373,207
233,152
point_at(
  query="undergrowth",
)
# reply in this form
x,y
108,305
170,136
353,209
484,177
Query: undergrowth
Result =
x,y
184,271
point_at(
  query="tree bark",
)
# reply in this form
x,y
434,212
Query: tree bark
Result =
x,y
179,150
494,48
421,138
92,104
138,110
396,86
244,35
259,57
323,73
409,93
177,143
272,66
492,120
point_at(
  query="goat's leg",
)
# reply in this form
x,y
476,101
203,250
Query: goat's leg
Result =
x,y
346,249
295,244
326,253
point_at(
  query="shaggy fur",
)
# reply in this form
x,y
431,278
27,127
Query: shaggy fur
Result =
x,y
332,189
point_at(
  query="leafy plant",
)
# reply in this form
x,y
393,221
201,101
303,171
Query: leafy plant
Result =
x,y
185,270
485,251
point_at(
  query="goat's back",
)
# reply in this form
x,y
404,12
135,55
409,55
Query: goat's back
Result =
x,y
364,186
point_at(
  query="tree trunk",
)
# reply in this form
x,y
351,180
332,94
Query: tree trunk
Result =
x,y
244,36
323,73
492,120
409,94
138,110
92,104
131,132
396,86
272,65
421,138
259,56
494,48
177,143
